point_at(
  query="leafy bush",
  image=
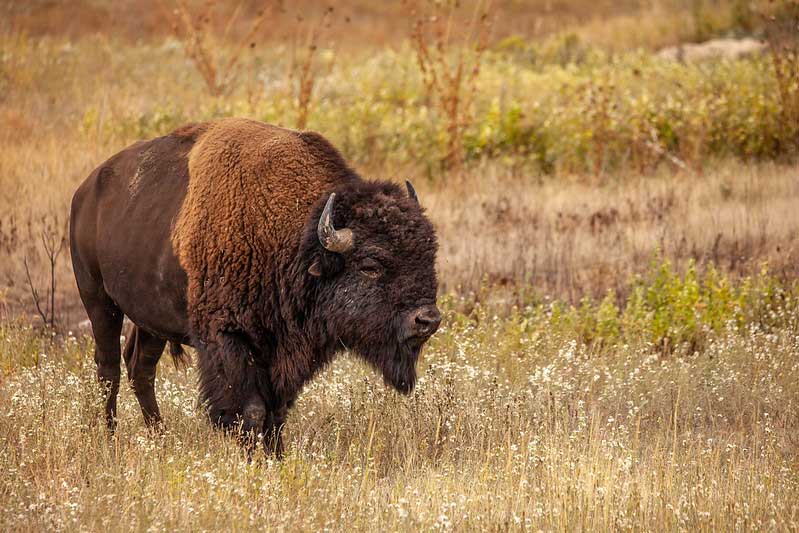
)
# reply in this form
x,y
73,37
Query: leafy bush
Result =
x,y
560,109
668,310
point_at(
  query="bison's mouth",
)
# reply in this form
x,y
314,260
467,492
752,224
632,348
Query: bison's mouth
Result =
x,y
395,357
415,340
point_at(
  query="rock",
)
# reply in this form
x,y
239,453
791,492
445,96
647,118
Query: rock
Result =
x,y
713,49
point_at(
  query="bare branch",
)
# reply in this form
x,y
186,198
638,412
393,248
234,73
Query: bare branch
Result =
x,y
450,76
34,292
194,32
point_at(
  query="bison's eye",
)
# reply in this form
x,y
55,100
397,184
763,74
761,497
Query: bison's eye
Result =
x,y
371,269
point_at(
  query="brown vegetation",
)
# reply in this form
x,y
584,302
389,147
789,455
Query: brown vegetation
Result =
x,y
571,237
615,24
195,32
450,73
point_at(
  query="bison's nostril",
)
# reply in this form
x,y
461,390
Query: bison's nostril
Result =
x,y
427,319
423,320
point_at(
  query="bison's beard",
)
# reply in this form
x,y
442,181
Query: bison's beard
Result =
x,y
396,361
391,351
399,368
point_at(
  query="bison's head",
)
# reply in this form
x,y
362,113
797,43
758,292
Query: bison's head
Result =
x,y
371,263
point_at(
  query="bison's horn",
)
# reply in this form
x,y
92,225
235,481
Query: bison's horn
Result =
x,y
332,239
411,191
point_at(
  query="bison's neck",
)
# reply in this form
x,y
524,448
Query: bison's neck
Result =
x,y
305,345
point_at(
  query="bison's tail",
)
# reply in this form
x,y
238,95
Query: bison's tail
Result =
x,y
179,355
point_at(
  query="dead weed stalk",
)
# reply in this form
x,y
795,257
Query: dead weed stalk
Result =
x,y
303,70
450,61
53,239
196,34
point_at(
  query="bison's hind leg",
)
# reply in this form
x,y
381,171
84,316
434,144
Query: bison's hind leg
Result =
x,y
106,319
142,352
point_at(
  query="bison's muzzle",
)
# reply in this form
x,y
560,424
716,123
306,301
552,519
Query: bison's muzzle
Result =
x,y
423,322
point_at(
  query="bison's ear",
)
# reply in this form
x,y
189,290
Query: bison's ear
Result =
x,y
326,265
315,269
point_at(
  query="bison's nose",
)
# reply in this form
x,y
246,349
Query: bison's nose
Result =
x,y
425,320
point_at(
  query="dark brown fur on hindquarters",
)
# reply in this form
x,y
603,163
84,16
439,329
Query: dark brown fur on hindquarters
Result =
x,y
212,236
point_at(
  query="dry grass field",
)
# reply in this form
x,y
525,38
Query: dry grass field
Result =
x,y
508,430
619,255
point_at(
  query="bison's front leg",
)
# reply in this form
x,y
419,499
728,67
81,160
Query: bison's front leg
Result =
x,y
253,417
273,429
228,385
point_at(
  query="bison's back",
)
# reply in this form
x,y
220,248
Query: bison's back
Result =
x,y
195,223
249,177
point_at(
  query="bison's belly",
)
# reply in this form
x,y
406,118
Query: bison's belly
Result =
x,y
151,291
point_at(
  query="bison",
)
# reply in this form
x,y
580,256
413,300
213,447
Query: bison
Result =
x,y
261,248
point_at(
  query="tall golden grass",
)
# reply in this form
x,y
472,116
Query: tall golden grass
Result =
x,y
506,431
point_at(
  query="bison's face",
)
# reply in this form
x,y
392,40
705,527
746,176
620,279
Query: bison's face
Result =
x,y
375,276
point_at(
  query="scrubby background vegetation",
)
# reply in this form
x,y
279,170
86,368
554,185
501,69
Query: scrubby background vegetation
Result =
x,y
619,256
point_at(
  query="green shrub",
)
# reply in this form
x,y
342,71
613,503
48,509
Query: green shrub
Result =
x,y
667,309
564,110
